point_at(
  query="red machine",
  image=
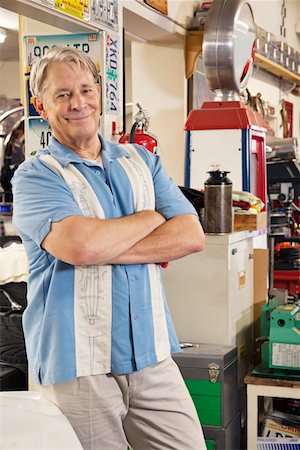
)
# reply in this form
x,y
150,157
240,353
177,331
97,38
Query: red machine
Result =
x,y
233,135
225,131
287,264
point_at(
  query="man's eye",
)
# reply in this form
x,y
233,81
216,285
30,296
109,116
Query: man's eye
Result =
x,y
63,95
87,90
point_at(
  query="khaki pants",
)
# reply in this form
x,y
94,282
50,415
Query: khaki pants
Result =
x,y
148,410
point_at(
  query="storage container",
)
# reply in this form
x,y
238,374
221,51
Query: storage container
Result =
x,y
228,438
210,373
250,221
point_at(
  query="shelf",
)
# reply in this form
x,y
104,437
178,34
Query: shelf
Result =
x,y
148,25
47,15
278,71
193,48
265,387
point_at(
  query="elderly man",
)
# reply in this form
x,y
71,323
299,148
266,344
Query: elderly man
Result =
x,y
97,219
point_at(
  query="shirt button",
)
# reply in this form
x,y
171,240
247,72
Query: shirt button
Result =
x,y
97,172
133,278
135,317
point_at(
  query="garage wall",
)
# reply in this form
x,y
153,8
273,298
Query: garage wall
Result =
x,y
10,79
267,14
158,84
10,70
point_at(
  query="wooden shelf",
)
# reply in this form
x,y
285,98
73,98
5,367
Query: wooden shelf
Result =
x,y
193,48
278,71
142,21
265,387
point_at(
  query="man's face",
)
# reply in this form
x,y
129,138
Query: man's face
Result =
x,y
71,104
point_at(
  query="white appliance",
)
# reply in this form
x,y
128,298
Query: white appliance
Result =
x,y
30,422
210,295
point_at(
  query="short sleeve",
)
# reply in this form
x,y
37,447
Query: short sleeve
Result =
x,y
40,197
169,200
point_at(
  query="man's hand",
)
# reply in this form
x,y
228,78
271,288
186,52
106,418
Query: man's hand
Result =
x,y
175,238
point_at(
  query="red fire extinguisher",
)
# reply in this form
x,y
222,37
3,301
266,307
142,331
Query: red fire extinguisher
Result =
x,y
139,132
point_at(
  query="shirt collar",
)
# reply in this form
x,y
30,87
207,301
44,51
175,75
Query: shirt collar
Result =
x,y
65,156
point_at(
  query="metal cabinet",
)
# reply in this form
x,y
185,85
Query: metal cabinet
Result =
x,y
210,295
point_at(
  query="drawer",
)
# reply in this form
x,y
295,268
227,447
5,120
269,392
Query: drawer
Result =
x,y
203,387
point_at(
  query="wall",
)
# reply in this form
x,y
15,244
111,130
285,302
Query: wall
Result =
x,y
10,79
267,14
31,26
181,11
158,84
10,70
274,91
130,109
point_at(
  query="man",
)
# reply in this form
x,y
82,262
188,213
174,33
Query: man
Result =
x,y
97,219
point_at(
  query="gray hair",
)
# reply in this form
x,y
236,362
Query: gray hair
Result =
x,y
38,73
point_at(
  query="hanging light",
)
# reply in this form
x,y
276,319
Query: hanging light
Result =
x,y
3,35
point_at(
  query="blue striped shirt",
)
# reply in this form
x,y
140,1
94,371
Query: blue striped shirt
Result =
x,y
42,197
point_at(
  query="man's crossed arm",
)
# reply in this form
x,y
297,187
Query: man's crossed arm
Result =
x,y
143,237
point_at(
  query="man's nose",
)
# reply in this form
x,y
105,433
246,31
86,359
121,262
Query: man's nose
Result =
x,y
77,101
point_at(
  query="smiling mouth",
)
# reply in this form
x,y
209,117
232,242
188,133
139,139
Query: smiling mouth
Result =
x,y
77,118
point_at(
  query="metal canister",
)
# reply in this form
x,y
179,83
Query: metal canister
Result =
x,y
218,203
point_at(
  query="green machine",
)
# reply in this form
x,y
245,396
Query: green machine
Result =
x,y
280,333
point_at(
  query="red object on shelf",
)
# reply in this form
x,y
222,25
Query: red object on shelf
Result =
x,y
223,115
287,279
234,115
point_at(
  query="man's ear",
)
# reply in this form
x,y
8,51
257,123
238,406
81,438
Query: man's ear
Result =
x,y
39,107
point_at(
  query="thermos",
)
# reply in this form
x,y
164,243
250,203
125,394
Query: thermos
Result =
x,y
218,203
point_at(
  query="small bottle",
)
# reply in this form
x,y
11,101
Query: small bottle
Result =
x,y
218,203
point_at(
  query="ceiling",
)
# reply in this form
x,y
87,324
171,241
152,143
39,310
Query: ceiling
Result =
x,y
9,50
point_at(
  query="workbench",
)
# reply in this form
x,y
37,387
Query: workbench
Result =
x,y
265,387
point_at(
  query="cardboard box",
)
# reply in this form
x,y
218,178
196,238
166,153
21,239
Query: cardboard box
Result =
x,y
244,222
260,290
160,5
260,275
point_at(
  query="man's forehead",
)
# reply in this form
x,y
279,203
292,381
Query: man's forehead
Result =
x,y
68,86
58,76
67,65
